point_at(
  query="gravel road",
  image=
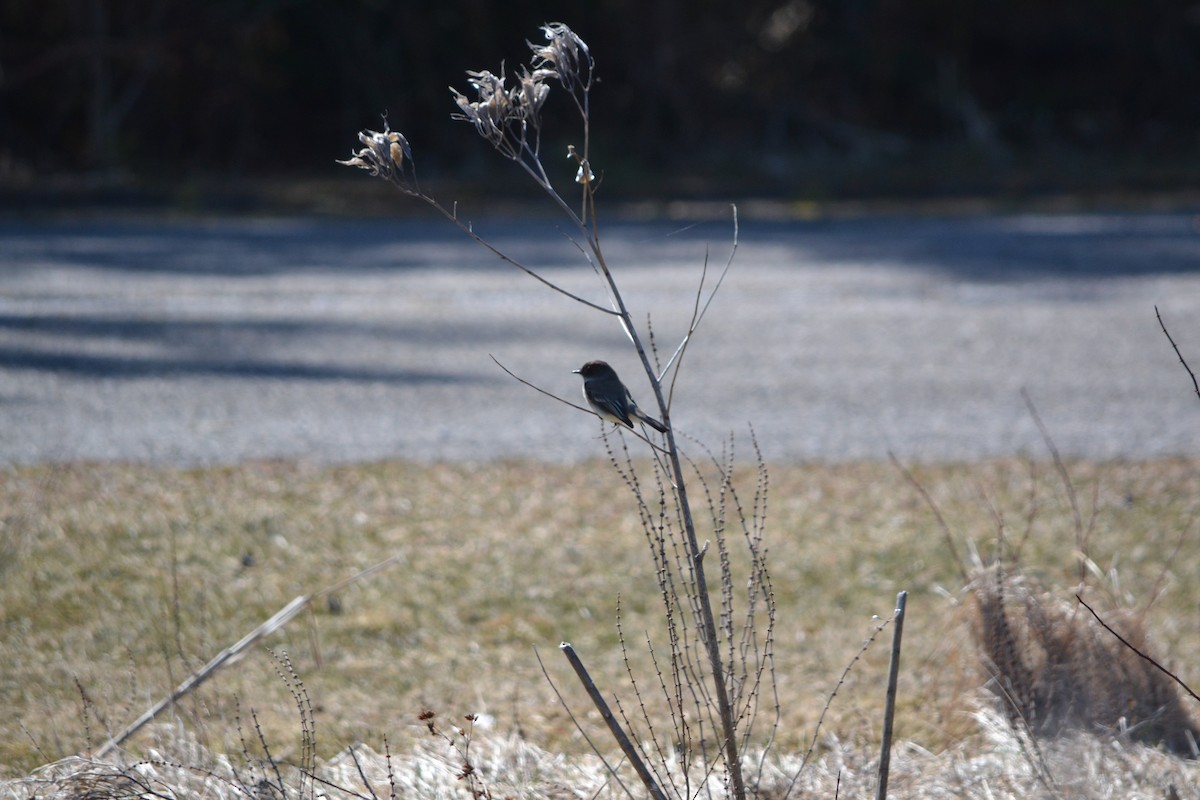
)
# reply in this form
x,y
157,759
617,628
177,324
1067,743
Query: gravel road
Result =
x,y
221,340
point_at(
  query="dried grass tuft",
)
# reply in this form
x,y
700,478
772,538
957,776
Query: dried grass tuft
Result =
x,y
1055,669
991,763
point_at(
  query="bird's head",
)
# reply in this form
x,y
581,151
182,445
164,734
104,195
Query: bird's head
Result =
x,y
594,369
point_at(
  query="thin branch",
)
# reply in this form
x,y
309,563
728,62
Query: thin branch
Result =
x,y
937,514
358,576
553,396
1161,324
1080,539
277,620
389,156
841,681
699,311
274,623
539,389
691,328
339,788
885,748
1126,642
491,248
362,774
574,721
627,746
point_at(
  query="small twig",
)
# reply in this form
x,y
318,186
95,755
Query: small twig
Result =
x,y
1126,642
358,576
841,681
575,406
268,758
339,788
937,514
889,712
1161,324
537,388
1080,539
575,721
1026,738
699,311
362,774
276,621
627,747
469,230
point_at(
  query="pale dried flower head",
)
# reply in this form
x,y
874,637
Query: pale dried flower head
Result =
x,y
509,118
489,114
501,115
584,174
533,93
387,155
565,56
505,116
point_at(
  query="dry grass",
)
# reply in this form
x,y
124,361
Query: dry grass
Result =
x,y
995,763
118,581
1056,670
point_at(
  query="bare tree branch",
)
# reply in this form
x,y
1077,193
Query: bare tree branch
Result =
x,y
627,747
885,747
1080,536
469,230
539,389
553,396
699,311
575,721
1126,642
937,514
277,621
1161,324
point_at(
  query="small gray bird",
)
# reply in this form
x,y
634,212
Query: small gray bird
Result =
x,y
609,398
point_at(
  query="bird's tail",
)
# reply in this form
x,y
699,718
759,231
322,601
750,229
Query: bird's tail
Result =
x,y
651,421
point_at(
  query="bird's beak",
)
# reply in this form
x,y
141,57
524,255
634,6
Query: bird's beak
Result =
x,y
575,371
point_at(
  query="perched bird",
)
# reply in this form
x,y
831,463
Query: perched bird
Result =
x,y
609,398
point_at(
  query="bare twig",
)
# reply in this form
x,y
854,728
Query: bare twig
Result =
x,y
627,747
699,311
575,721
1142,655
553,396
469,230
274,623
1080,537
537,388
277,620
362,575
381,158
812,745
885,748
362,775
937,514
1161,324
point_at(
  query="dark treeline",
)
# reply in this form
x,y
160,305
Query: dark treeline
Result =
x,y
167,88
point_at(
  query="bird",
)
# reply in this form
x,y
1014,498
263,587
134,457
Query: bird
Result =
x,y
609,398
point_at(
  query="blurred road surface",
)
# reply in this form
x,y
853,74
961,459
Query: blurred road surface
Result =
x,y
220,340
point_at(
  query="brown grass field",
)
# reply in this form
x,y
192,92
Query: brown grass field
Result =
x,y
118,581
